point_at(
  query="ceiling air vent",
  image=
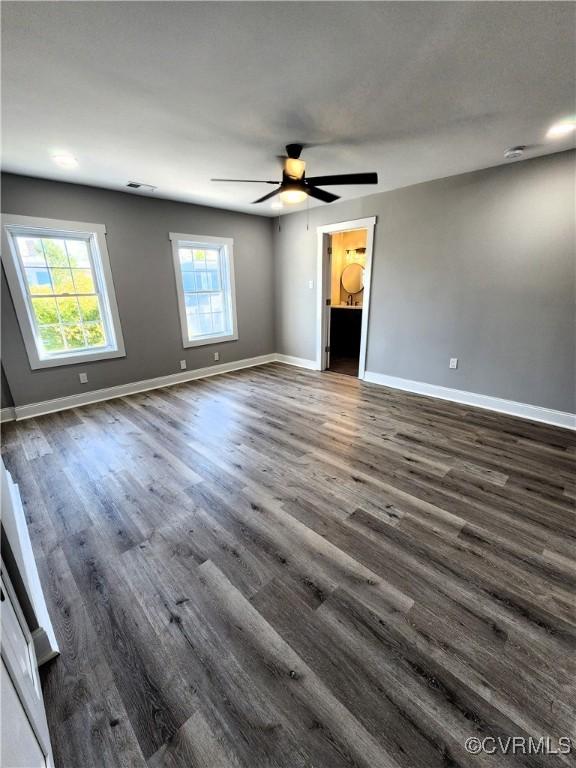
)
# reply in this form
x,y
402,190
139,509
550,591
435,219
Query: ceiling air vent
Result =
x,y
515,153
140,186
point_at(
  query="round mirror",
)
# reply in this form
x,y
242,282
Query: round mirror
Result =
x,y
353,278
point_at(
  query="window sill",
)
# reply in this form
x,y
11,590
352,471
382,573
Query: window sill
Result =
x,y
81,357
210,340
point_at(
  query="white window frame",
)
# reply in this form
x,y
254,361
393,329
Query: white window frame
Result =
x,y
13,226
226,246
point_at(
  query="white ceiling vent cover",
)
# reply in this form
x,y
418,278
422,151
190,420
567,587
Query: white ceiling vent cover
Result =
x,y
142,187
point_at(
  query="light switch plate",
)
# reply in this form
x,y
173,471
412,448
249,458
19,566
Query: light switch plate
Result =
x,y
83,378
216,355
453,362
182,365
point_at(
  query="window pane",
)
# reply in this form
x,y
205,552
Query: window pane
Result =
x,y
214,281
83,280
38,280
191,301
216,303
199,259
61,274
95,335
205,323
212,260
89,307
45,311
62,280
78,253
193,326
186,258
73,336
51,338
203,303
189,281
69,310
55,252
206,286
30,250
206,281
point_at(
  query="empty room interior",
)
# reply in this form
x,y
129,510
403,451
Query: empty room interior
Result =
x,y
288,383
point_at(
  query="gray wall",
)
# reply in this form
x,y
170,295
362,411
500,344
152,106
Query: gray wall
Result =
x,y
6,400
479,266
141,262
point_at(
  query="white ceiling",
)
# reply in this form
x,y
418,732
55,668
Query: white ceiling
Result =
x,y
172,94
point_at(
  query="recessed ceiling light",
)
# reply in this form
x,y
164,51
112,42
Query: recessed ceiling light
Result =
x,y
513,153
65,160
562,128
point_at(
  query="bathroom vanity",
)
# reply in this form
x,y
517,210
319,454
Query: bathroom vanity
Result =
x,y
345,331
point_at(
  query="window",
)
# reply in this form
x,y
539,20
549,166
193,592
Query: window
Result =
x,y
60,280
205,282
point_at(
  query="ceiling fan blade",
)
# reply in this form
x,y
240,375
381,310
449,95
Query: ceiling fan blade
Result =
x,y
344,178
321,194
268,196
249,181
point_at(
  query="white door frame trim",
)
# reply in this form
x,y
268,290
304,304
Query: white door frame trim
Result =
x,y
368,224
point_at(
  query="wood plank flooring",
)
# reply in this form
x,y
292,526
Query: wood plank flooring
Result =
x,y
279,567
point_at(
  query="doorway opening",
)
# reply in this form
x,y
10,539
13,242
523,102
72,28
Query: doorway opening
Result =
x,y
345,260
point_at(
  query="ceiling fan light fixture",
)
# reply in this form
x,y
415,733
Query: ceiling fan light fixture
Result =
x,y
295,187
294,168
293,196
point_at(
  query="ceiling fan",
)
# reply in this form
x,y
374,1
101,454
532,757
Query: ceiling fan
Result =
x,y
295,187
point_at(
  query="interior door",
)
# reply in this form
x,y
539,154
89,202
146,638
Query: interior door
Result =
x,y
326,293
25,738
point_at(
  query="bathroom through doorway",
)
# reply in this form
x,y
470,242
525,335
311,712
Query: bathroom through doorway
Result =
x,y
346,258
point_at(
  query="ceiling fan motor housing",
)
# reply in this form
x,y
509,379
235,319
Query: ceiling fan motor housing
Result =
x,y
294,150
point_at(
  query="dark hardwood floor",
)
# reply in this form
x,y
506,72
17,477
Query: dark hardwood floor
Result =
x,y
279,567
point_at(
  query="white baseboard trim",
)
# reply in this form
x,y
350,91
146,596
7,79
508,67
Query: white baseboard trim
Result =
x,y
299,362
99,395
7,414
510,407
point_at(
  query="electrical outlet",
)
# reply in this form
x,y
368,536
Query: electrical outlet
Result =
x,y
83,378
453,362
182,365
310,284
216,355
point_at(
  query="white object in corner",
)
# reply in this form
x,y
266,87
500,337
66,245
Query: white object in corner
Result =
x,y
16,532
510,407
25,737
